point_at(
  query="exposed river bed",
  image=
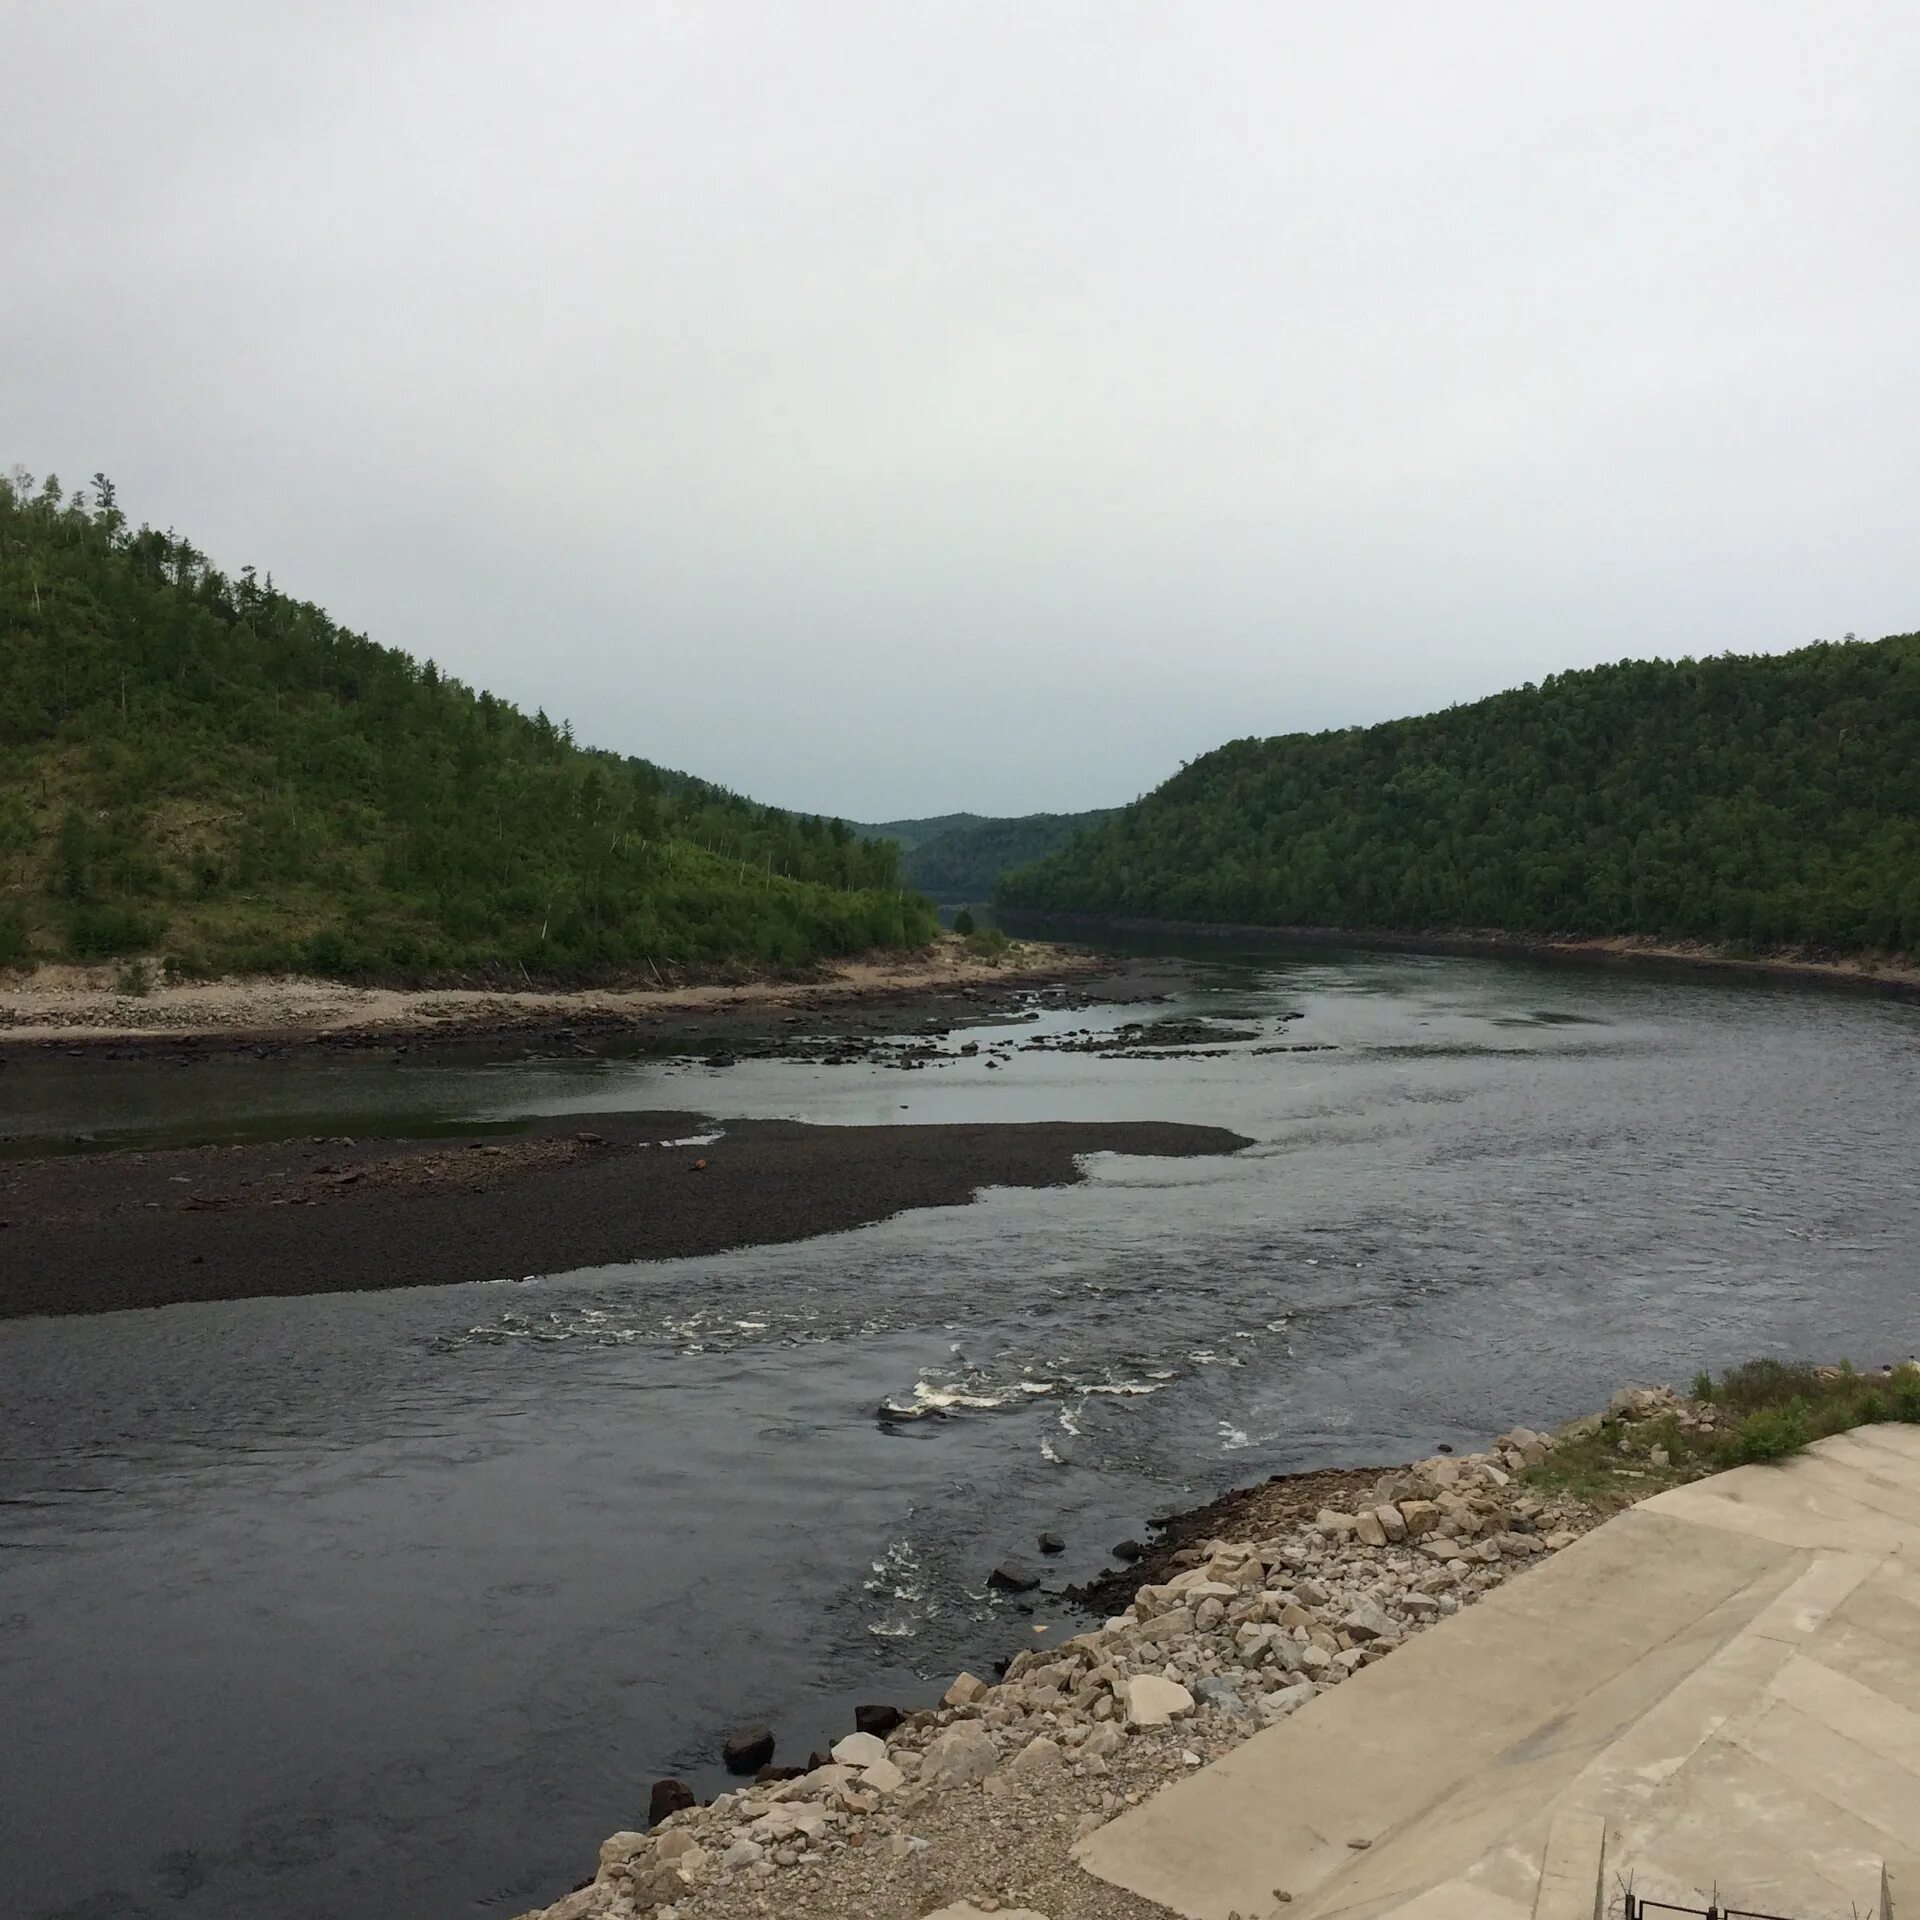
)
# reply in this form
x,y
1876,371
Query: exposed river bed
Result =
x,y
393,1603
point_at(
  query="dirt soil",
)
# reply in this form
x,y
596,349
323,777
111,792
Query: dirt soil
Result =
x,y
71,1006
89,1233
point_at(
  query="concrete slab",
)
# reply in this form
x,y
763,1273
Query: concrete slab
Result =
x,y
1573,1873
1724,1682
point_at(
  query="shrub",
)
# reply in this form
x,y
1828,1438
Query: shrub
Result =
x,y
99,933
1767,1383
329,951
963,922
1771,1433
15,949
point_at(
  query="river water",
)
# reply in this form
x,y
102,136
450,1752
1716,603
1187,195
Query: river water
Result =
x,y
393,1604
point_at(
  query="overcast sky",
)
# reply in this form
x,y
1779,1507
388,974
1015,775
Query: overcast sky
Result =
x,y
895,408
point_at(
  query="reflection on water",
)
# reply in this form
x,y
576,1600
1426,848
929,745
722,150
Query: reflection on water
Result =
x,y
397,1602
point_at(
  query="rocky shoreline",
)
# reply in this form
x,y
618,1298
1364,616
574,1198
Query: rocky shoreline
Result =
x,y
1243,1612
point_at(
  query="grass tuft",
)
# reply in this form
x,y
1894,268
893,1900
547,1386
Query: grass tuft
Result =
x,y
1763,1410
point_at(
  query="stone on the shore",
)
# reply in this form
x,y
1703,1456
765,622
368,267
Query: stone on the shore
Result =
x,y
964,1691
790,1820
883,1777
668,1797
1369,1622
1051,1543
1013,1576
1153,1701
1419,1516
966,1910
961,1754
1129,1550
1210,1690
1104,1738
743,1853
859,1750
1278,1704
832,1777
877,1719
1392,1522
1039,1759
748,1750
1369,1531
621,1849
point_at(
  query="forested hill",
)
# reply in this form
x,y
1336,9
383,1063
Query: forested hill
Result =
x,y
909,834
198,765
1762,800
961,864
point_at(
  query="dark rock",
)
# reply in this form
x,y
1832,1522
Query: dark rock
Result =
x,y
750,1748
668,1796
1013,1576
720,1060
765,1776
1129,1550
1052,1543
877,1720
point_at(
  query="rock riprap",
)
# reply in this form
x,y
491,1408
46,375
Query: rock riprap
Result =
x,y
1238,1635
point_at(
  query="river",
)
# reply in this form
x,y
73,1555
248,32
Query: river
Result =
x,y
394,1603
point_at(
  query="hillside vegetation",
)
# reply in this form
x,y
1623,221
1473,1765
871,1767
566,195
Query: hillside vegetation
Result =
x,y
199,765
1748,800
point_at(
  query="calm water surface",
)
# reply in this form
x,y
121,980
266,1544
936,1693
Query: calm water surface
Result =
x,y
394,1604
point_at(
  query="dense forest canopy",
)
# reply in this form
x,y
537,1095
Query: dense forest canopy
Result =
x,y
197,764
1757,800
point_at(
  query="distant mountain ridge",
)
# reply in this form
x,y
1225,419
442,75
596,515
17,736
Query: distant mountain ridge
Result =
x,y
957,857
1748,799
909,834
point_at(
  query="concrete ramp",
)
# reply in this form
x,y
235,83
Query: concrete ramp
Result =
x,y
1717,1690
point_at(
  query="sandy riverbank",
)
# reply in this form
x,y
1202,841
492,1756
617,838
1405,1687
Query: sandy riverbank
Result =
x,y
69,1006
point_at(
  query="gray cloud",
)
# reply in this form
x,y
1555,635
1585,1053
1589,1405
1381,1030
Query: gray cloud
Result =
x,y
889,408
